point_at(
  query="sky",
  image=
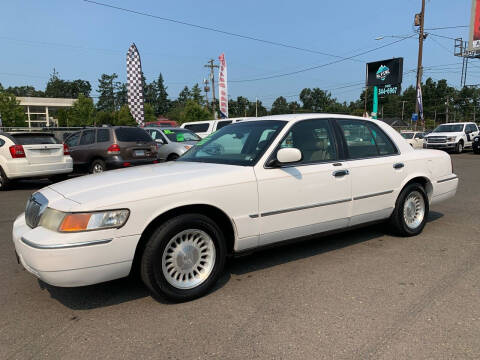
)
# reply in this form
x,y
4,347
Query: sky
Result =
x,y
82,40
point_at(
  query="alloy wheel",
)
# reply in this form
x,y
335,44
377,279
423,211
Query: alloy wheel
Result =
x,y
414,210
188,259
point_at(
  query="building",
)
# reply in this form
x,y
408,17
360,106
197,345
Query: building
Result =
x,y
41,112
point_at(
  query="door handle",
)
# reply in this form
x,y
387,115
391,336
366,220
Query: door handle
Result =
x,y
340,173
398,166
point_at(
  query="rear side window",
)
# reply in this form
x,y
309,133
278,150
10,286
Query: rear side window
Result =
x,y
365,140
203,127
88,137
2,142
34,139
223,123
103,135
132,135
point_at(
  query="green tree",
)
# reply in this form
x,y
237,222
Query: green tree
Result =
x,y
196,94
105,118
156,95
194,112
24,91
107,87
59,88
10,110
124,117
280,106
184,96
82,113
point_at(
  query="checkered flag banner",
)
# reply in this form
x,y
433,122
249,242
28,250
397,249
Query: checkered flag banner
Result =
x,y
135,85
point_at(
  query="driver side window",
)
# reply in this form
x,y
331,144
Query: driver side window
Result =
x,y
314,138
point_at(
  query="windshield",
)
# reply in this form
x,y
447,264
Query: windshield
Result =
x,y
448,128
238,144
407,136
181,135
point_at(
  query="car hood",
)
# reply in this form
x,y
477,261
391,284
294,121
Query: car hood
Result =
x,y
447,134
150,181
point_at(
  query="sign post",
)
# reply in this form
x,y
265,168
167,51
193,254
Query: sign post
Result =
x,y
375,103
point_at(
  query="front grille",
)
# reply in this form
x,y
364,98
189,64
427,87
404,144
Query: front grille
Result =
x,y
36,205
436,139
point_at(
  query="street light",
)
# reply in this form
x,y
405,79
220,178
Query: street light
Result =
x,y
393,36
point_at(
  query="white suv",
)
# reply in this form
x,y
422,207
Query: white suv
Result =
x,y
29,155
452,136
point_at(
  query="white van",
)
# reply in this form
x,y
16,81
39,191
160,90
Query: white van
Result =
x,y
205,128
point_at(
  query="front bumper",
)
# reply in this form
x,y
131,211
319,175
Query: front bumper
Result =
x,y
77,259
439,145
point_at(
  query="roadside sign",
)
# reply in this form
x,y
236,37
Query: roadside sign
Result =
x,y
414,117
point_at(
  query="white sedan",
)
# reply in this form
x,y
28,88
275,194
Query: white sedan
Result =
x,y
248,185
32,155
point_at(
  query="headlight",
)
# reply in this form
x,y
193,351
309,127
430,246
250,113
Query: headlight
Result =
x,y
74,222
451,138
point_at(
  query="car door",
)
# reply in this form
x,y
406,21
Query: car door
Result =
x,y
376,169
84,149
308,197
72,142
162,143
471,131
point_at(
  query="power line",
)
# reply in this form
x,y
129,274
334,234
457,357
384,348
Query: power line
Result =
x,y
247,37
319,66
449,27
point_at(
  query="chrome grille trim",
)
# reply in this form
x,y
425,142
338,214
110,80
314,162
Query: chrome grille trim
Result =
x,y
436,139
36,205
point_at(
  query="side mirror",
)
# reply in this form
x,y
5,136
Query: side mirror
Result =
x,y
159,141
288,156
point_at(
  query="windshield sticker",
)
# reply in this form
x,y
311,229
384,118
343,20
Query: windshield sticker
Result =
x,y
167,131
180,137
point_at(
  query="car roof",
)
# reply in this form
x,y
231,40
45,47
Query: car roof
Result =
x,y
164,128
298,117
458,123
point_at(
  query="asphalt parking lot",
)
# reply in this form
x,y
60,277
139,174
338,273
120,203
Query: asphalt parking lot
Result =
x,y
358,295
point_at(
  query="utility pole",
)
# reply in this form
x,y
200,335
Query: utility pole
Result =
x,y
256,107
212,76
403,108
446,111
420,52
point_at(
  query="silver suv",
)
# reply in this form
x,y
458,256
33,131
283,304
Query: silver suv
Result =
x,y
172,142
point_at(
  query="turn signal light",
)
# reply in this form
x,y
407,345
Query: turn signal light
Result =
x,y
113,149
75,222
66,150
17,151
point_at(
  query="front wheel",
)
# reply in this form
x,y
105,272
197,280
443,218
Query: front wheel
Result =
x,y
184,257
172,157
459,147
411,211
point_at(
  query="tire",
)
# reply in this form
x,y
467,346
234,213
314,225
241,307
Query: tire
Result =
x,y
98,166
476,150
411,199
184,257
4,181
459,147
172,157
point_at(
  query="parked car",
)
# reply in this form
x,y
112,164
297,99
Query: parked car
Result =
x,y
160,123
414,138
172,142
98,149
205,128
32,155
476,145
282,177
452,136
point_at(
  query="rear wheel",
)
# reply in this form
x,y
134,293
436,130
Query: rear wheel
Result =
x,y
172,157
4,180
459,147
98,166
184,257
411,211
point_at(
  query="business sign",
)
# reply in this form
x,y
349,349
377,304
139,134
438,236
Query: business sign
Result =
x,y
414,117
222,87
474,43
385,72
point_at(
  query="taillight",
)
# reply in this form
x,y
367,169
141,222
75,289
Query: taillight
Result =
x,y
17,151
114,149
66,150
